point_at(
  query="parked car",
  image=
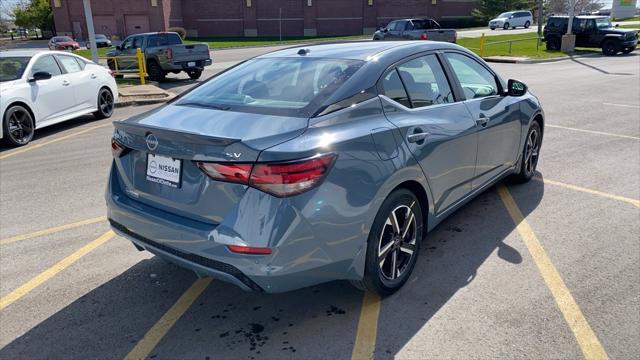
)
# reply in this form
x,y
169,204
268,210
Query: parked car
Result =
x,y
164,53
312,164
101,41
41,88
63,43
512,19
415,29
591,31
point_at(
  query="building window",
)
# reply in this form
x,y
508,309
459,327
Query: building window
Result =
x,y
370,2
248,3
57,3
154,2
309,3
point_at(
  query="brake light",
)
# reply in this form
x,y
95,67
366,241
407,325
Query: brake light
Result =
x,y
238,173
424,36
278,179
249,250
169,54
116,148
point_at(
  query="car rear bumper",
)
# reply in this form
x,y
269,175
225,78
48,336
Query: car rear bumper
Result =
x,y
299,258
185,65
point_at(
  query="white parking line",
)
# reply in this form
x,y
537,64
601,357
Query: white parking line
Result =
x,y
622,105
593,132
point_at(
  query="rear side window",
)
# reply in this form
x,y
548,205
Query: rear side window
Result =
x,y
173,39
46,64
425,82
475,79
277,86
69,63
392,88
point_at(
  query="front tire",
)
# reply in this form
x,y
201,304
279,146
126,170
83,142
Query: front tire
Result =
x,y
530,154
506,26
17,126
610,48
155,71
393,244
105,104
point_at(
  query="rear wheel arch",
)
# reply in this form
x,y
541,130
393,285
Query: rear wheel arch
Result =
x,y
420,192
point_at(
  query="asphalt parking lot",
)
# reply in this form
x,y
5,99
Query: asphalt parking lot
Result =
x,y
548,269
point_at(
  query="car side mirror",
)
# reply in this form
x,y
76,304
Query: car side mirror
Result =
x,y
40,75
516,88
385,30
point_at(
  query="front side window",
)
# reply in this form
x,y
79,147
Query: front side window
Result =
x,y
127,43
137,42
278,86
475,79
425,82
12,68
69,63
46,64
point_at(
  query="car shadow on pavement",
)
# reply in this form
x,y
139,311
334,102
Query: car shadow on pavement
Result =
x,y
577,61
56,128
316,322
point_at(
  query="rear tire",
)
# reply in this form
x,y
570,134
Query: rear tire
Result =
x,y
506,26
393,245
553,44
17,126
530,154
194,74
105,104
493,28
527,24
155,72
610,48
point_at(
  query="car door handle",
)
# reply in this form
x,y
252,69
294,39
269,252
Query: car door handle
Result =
x,y
482,121
417,137
93,76
65,83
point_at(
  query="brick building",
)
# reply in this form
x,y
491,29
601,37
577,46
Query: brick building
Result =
x,y
250,17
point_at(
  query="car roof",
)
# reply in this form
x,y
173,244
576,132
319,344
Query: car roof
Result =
x,y
358,50
31,52
580,16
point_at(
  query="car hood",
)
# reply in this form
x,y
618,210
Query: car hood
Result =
x,y
67,43
617,31
499,19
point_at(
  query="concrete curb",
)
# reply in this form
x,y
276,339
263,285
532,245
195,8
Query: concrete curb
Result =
x,y
508,60
142,101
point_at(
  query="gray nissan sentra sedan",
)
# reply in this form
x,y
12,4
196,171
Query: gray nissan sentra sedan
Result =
x,y
319,163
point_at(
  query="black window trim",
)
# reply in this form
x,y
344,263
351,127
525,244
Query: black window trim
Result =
x,y
458,95
60,67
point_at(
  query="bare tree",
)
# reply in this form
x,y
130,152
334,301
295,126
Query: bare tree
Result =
x,y
562,6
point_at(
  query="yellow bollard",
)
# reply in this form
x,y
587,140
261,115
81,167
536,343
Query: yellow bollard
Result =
x,y
482,45
141,65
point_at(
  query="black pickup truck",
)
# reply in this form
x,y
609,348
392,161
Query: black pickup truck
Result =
x,y
591,31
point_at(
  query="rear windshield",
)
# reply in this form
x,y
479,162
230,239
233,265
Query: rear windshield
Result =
x,y
62,39
12,68
275,86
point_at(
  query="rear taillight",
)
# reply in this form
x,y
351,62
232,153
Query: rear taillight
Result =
x,y
424,36
169,54
116,148
278,179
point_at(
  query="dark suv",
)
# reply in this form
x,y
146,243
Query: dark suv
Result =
x,y
591,31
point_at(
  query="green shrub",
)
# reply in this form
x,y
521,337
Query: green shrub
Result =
x,y
180,30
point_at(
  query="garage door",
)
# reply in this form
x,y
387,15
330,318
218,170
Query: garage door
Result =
x,y
135,24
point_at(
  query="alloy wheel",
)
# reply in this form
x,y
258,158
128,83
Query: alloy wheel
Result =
x,y
20,126
531,152
397,243
105,102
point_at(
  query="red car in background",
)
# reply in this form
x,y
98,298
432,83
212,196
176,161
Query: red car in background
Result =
x,y
63,43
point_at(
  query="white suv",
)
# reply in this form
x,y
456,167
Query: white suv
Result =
x,y
512,19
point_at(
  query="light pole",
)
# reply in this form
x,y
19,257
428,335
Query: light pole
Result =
x,y
91,30
569,40
540,18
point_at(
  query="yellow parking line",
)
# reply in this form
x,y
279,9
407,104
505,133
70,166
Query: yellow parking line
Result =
x,y
587,340
365,343
593,132
51,230
590,191
35,146
151,339
52,271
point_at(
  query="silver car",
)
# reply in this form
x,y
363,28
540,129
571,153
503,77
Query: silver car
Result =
x,y
319,163
512,19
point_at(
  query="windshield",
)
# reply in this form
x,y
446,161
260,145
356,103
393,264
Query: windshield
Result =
x,y
12,68
275,86
603,23
504,15
62,39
